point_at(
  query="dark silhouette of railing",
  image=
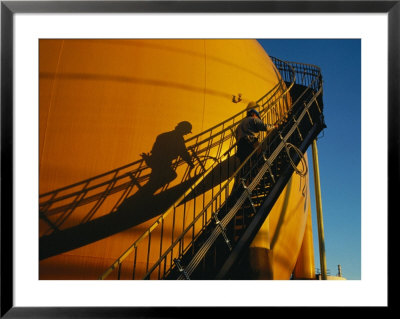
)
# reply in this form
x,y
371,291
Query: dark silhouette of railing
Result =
x,y
102,197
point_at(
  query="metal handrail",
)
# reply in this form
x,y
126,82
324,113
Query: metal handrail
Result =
x,y
160,220
142,161
130,176
217,231
274,89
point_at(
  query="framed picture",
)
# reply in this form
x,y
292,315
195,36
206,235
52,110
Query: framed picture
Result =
x,y
28,27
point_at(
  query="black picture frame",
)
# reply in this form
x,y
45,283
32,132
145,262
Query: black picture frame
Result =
x,y
9,8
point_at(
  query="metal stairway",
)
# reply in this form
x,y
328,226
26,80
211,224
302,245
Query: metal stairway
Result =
x,y
216,254
211,245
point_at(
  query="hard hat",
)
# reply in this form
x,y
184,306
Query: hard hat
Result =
x,y
184,127
252,105
253,111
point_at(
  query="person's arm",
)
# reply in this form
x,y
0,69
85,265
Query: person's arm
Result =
x,y
185,154
261,126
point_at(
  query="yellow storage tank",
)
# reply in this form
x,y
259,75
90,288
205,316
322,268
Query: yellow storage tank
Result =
x,y
104,102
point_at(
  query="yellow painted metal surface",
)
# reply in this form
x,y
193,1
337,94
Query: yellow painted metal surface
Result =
x,y
104,102
284,235
305,264
320,220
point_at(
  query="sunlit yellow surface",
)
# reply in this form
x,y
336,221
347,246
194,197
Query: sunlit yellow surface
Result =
x,y
280,240
103,102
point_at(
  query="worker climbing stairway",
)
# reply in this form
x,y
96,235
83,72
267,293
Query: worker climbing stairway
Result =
x,y
212,244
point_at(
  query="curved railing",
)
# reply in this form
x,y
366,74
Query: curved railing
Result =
x,y
273,106
58,206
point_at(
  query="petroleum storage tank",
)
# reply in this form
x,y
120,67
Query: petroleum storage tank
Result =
x,y
104,102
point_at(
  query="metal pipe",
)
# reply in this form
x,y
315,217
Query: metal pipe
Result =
x,y
317,187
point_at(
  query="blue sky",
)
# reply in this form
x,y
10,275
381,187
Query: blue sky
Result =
x,y
339,145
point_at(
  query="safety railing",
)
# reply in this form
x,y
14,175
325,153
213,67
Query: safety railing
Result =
x,y
215,217
184,216
102,194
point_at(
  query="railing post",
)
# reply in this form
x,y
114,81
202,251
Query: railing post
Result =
x,y
317,187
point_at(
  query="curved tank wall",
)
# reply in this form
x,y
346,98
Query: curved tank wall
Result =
x,y
284,243
104,102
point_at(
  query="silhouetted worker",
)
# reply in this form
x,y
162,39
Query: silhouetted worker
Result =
x,y
246,132
167,147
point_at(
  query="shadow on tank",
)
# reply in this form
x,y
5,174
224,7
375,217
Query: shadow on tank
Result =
x,y
144,204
